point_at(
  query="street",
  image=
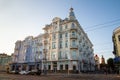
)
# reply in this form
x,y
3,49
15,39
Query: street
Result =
x,y
59,76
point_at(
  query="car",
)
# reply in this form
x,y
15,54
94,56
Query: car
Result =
x,y
24,72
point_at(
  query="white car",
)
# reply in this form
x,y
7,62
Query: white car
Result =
x,y
23,72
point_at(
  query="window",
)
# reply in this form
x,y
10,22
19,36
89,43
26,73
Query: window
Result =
x,y
65,26
49,67
66,67
61,67
60,28
60,35
60,55
74,67
55,27
73,25
54,36
60,44
66,44
73,33
53,45
66,35
74,54
119,37
66,56
73,43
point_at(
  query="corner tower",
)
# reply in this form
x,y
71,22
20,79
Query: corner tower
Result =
x,y
71,14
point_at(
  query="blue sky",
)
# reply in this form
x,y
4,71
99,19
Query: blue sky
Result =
x,y
21,18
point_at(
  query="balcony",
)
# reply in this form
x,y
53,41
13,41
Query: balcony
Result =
x,y
45,42
73,47
73,36
73,28
46,35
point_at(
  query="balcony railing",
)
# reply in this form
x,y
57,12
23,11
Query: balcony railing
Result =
x,y
73,28
73,47
73,36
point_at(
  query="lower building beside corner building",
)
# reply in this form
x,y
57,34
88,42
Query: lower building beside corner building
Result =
x,y
63,47
4,61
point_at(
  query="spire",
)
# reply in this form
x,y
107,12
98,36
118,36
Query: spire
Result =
x,y
102,60
71,14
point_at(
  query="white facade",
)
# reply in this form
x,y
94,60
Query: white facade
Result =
x,y
63,46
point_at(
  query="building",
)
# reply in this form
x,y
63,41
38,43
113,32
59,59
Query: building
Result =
x,y
116,48
4,61
63,47
97,62
102,60
116,42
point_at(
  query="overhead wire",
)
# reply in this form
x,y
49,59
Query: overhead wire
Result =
x,y
102,23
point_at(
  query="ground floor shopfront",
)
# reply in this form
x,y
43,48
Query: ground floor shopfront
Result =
x,y
68,66
53,66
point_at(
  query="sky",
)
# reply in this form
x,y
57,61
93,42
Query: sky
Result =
x,y
22,18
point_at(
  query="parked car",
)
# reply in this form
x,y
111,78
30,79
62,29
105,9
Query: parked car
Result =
x,y
24,72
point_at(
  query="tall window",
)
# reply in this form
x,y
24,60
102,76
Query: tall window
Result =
x,y
66,26
49,67
73,43
60,28
66,67
60,44
73,33
60,55
74,67
61,67
53,45
54,36
60,35
74,54
66,44
73,25
66,35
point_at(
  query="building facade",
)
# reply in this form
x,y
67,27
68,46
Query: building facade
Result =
x,y
116,42
64,46
4,61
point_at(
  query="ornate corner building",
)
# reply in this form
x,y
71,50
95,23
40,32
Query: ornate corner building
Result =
x,y
63,47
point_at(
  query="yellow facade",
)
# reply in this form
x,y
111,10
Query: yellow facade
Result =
x,y
116,41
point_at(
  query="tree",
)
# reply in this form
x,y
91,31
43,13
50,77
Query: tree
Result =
x,y
110,63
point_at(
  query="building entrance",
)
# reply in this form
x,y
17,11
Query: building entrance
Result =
x,y
55,67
